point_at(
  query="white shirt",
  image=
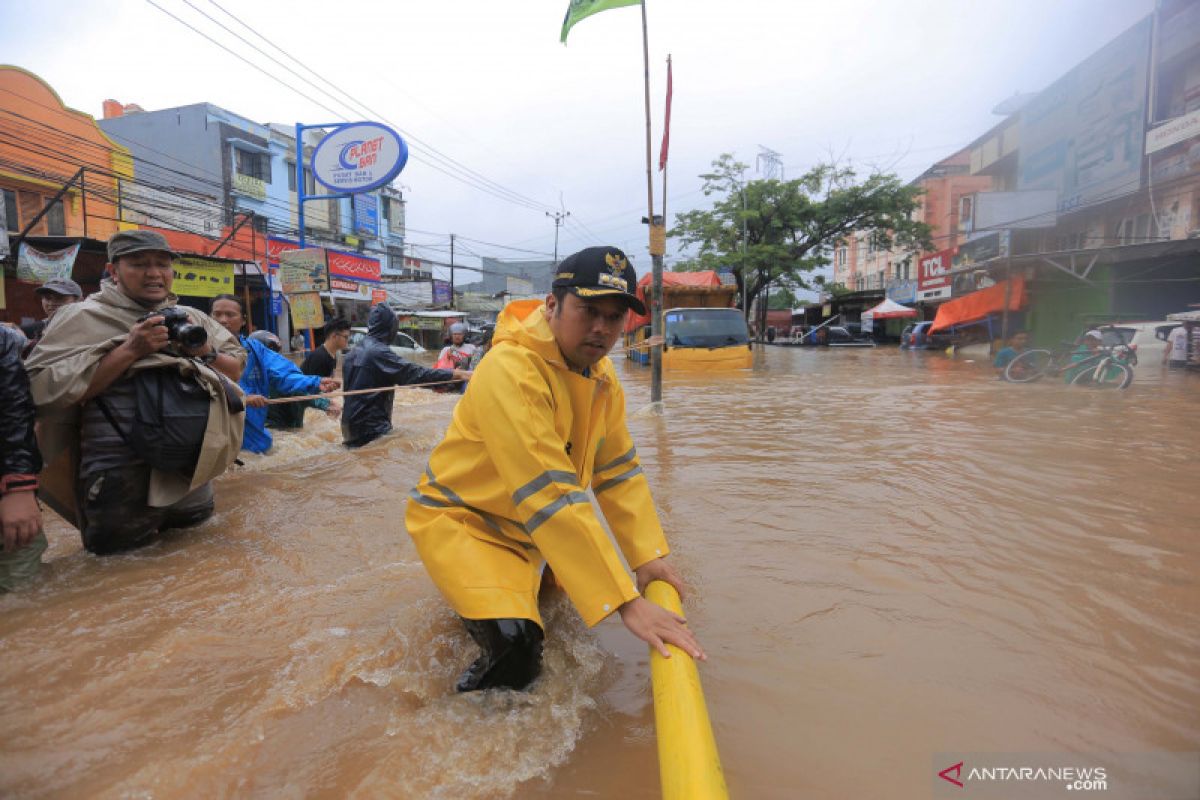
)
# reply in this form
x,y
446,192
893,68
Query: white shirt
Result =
x,y
1177,344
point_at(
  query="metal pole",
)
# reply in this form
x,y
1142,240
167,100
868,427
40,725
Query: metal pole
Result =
x,y
656,261
83,198
452,271
558,217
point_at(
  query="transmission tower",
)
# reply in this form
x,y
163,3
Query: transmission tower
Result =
x,y
769,164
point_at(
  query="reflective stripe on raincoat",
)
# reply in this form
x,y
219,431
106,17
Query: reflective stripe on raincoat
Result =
x,y
507,486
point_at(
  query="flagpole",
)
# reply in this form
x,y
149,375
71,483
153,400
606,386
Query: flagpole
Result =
x,y
655,260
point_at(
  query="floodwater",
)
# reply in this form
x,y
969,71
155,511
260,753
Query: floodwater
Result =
x,y
892,556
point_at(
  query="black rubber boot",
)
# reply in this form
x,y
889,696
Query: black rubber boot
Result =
x,y
511,658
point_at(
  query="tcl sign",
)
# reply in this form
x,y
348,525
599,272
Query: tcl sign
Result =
x,y
933,276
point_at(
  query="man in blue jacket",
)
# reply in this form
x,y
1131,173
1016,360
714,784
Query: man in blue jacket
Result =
x,y
373,365
266,373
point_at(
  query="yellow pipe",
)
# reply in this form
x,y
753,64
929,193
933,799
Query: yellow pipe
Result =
x,y
689,767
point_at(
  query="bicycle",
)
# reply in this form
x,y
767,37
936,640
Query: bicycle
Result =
x,y
1108,368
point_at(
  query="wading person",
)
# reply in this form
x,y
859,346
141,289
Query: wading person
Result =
x,y
1018,343
373,365
267,373
136,401
20,462
505,491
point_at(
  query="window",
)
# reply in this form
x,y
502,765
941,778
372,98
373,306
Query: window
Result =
x,y
310,185
56,221
20,207
10,211
253,165
291,171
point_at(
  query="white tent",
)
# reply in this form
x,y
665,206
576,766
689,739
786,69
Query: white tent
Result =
x,y
888,309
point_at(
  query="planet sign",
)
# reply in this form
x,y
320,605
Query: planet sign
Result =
x,y
359,157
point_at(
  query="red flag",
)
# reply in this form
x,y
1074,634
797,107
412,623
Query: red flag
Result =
x,y
662,154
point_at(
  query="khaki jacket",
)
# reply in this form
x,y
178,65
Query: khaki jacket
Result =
x,y
62,365
527,439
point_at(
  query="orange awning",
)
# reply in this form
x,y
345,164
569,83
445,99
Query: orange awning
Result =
x,y
977,305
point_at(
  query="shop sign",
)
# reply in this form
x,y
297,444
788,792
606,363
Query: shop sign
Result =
x,y
359,157
366,214
1173,132
306,310
348,290
198,277
441,293
428,323
981,249
276,246
378,296
354,266
933,275
276,304
303,271
902,291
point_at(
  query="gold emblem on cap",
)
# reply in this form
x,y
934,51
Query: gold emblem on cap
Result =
x,y
616,263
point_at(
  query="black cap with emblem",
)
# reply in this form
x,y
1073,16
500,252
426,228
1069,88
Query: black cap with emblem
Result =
x,y
599,272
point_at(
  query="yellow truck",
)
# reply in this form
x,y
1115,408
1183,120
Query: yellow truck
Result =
x,y
702,329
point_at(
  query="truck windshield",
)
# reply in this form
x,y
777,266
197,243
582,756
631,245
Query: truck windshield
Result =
x,y
705,327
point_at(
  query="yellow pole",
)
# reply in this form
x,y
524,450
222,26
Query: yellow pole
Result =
x,y
689,766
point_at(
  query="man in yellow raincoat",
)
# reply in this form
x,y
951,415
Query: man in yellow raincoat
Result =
x,y
505,491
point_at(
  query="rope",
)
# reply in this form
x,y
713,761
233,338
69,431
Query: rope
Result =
x,y
345,393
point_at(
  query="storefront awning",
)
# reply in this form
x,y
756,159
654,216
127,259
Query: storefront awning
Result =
x,y
978,305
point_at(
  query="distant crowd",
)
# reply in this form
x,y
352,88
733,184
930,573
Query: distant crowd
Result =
x,y
139,403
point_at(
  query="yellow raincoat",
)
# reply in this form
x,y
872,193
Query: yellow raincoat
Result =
x,y
506,487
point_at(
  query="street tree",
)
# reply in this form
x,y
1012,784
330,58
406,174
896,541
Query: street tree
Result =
x,y
791,227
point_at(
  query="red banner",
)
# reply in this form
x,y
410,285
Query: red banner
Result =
x,y
354,267
666,140
378,296
277,246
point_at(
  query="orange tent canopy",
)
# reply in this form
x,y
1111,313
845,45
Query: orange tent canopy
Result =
x,y
977,305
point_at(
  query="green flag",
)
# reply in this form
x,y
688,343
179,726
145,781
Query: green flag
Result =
x,y
585,8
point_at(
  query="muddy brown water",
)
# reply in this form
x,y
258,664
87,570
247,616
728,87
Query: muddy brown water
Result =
x,y
893,555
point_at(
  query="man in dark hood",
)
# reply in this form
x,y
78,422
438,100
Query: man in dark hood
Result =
x,y
373,365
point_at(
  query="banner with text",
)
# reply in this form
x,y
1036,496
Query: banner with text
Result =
x,y
933,275
306,310
195,277
35,266
303,271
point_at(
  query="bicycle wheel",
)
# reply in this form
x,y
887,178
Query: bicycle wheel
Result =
x,y
1029,366
1112,375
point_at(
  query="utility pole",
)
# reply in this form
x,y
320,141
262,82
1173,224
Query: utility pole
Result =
x,y
558,217
452,271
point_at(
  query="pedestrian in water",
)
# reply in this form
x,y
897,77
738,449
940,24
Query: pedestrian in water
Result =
x,y
323,360
505,490
138,392
457,354
20,462
373,365
1017,344
267,372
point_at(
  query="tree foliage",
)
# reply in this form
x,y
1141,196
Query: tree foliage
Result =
x,y
791,227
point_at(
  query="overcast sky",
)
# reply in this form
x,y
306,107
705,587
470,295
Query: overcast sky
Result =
x,y
487,84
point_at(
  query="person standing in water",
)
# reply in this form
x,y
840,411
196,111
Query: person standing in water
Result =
x,y
505,491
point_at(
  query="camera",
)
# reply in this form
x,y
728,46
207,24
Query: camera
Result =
x,y
180,327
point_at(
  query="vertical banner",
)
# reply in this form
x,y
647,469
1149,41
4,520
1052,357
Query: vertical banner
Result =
x,y
306,310
34,266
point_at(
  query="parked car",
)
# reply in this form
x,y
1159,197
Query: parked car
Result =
x,y
402,344
1148,340
916,336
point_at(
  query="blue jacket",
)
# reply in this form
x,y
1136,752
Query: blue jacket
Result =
x,y
268,372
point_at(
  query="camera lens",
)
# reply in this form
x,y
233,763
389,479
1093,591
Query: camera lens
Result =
x,y
190,335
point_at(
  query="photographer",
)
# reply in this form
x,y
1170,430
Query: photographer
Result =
x,y
137,402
